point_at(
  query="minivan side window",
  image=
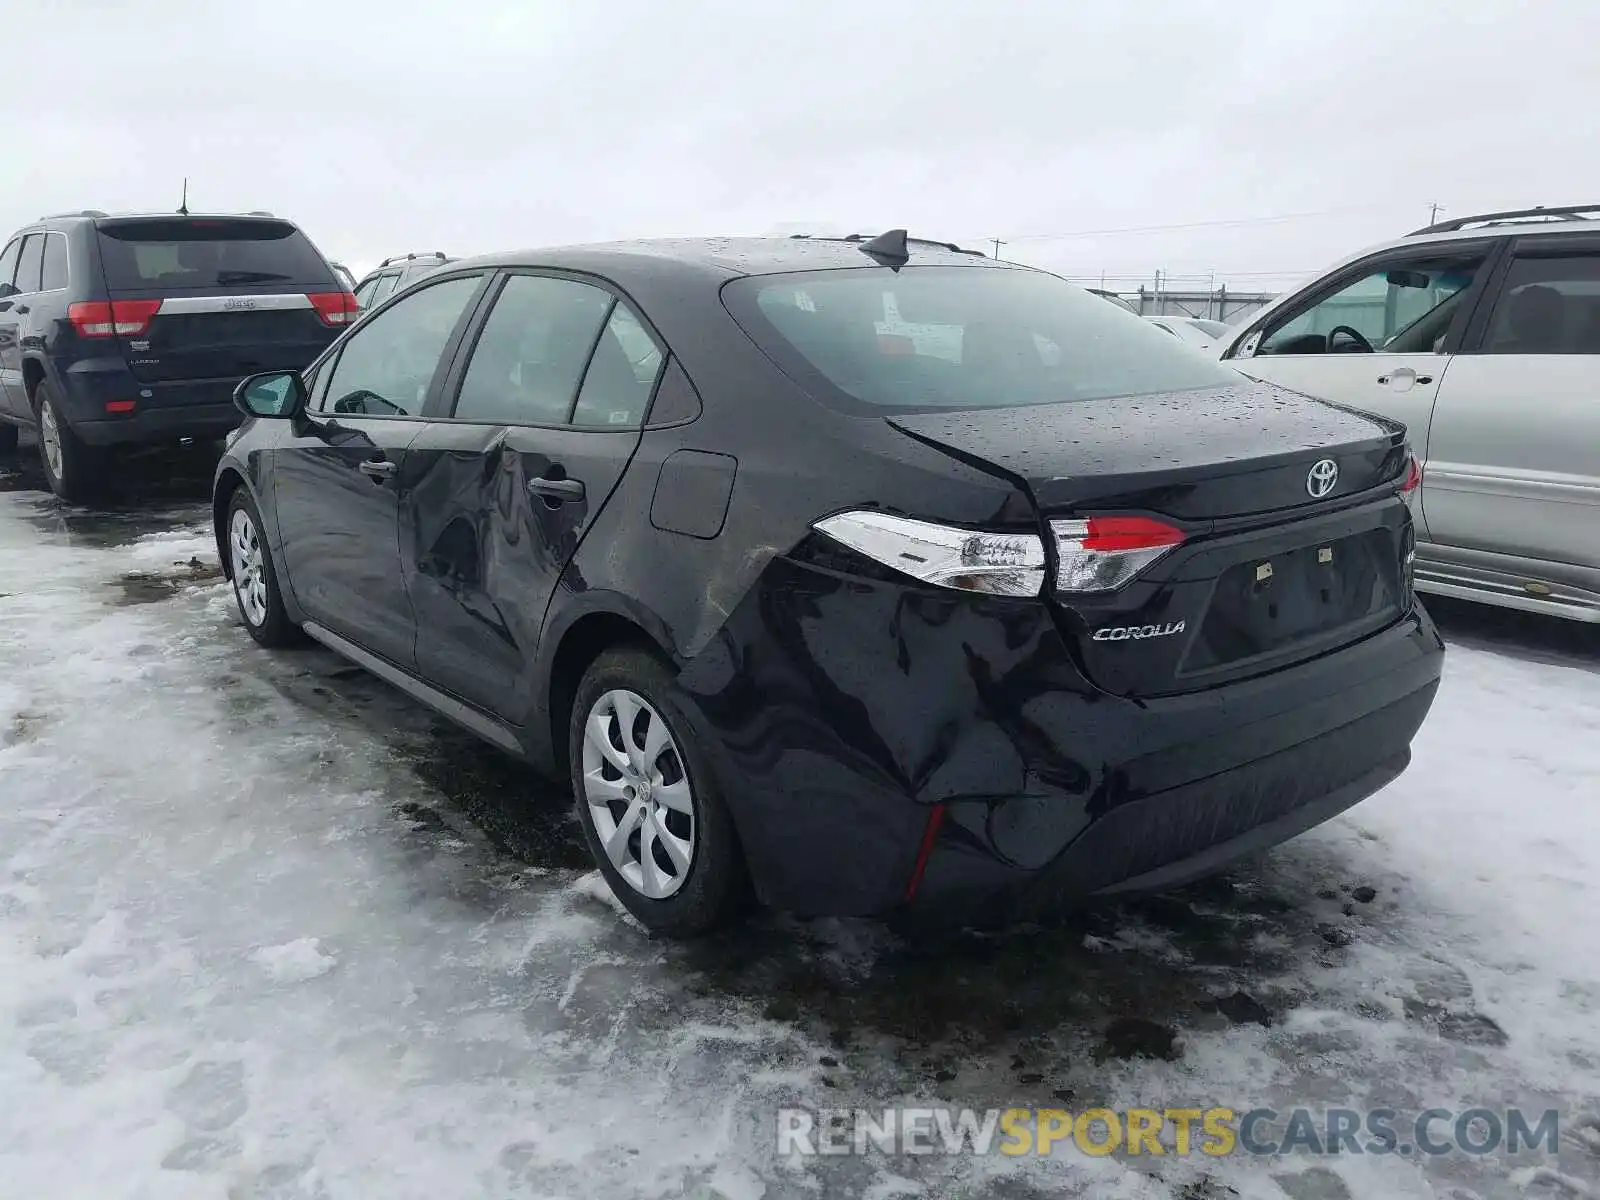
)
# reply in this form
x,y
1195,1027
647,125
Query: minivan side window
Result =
x,y
55,263
1402,306
531,354
1547,305
8,264
31,264
389,360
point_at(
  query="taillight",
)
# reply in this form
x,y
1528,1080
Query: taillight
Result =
x,y
1413,478
335,308
1103,553
1003,564
112,318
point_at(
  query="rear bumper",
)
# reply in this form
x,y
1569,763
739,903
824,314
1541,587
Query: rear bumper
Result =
x,y
162,412
844,714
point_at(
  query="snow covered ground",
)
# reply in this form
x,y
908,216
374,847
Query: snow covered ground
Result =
x,y
269,930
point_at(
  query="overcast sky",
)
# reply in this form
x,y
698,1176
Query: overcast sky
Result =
x,y
474,125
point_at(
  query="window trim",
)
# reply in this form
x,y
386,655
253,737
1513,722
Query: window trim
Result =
x,y
1318,290
450,394
331,357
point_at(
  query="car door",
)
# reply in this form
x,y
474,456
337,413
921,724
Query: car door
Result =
x,y
15,287
1514,456
542,419
337,476
1377,335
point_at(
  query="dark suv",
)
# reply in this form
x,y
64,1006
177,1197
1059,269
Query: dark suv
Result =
x,y
395,273
869,574
133,330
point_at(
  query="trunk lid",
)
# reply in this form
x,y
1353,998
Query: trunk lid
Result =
x,y
1204,455
1267,573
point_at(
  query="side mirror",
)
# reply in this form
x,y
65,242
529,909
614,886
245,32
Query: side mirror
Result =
x,y
7,289
271,394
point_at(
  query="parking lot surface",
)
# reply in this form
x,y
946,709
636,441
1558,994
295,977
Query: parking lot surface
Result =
x,y
268,929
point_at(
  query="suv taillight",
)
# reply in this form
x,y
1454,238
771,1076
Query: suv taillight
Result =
x,y
112,318
1101,554
335,308
972,560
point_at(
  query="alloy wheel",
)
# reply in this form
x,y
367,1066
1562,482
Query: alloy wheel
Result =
x,y
249,572
50,439
638,793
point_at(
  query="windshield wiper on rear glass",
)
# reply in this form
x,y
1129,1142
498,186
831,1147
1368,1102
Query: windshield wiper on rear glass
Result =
x,y
225,277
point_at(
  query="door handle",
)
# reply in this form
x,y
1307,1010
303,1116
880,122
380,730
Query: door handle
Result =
x,y
557,491
377,469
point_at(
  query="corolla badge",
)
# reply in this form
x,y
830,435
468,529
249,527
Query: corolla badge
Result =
x,y
1124,633
1322,477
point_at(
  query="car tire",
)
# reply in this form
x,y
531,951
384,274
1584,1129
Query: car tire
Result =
x,y
254,577
73,469
673,802
9,435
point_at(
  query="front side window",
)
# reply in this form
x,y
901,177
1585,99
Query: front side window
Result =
x,y
365,292
31,263
1399,307
387,365
867,339
8,264
383,287
1548,305
531,354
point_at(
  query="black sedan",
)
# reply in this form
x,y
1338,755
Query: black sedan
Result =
x,y
845,575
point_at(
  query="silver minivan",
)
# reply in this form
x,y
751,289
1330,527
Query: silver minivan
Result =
x,y
1482,334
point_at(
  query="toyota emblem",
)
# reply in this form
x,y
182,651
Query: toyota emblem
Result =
x,y
1321,478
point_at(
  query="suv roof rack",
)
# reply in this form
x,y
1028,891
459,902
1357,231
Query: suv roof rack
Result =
x,y
439,254
258,212
82,212
868,237
1573,212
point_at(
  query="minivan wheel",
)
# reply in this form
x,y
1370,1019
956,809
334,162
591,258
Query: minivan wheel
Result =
x,y
648,799
71,468
255,582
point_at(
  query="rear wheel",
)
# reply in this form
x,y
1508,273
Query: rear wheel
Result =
x,y
255,582
71,468
649,800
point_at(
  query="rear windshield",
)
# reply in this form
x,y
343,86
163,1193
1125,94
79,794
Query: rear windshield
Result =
x,y
1214,328
924,338
178,253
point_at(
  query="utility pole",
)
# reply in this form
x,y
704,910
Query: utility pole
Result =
x,y
997,244
1434,210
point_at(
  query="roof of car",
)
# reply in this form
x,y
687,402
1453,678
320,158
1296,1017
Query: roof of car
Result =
x,y
722,258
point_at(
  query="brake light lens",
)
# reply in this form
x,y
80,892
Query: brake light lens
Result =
x,y
335,308
970,560
113,318
1413,479
1101,554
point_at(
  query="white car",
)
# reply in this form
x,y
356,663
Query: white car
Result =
x,y
1199,332
1482,335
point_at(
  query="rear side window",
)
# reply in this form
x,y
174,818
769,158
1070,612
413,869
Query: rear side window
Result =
x,y
31,264
532,351
1548,306
55,263
868,339
199,253
621,375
